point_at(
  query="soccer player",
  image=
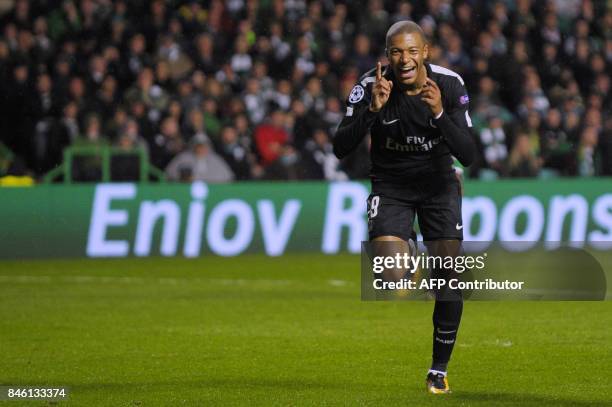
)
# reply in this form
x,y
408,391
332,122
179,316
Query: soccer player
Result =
x,y
417,115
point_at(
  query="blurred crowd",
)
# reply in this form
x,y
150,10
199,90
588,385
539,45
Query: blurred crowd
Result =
x,y
247,89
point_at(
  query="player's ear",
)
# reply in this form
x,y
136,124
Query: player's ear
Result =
x,y
425,51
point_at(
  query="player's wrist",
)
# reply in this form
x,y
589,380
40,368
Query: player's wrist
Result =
x,y
373,110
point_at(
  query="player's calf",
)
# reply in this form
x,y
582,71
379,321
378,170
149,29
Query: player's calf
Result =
x,y
447,309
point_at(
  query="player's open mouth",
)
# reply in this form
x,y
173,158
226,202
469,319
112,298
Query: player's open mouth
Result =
x,y
407,72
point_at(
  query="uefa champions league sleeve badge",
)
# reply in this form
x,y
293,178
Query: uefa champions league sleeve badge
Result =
x,y
357,94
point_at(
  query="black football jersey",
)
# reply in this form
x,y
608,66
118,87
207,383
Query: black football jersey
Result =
x,y
406,139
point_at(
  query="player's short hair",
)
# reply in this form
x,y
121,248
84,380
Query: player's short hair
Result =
x,y
404,27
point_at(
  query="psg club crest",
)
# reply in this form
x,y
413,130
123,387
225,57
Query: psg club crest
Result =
x,y
356,94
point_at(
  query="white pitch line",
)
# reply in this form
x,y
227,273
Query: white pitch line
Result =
x,y
139,280
339,283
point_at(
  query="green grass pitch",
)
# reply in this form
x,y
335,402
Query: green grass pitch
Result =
x,y
280,331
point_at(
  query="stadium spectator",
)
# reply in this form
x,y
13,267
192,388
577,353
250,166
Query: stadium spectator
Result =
x,y
531,128
281,96
320,161
241,61
146,91
556,144
245,133
605,143
106,98
312,96
195,124
270,137
69,126
549,66
237,62
139,112
235,155
126,166
212,124
254,101
288,165
523,160
588,155
199,163
167,143
493,139
363,59
170,51
456,57
203,55
332,114
260,74
88,166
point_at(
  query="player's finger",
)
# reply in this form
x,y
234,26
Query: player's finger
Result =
x,y
432,83
378,71
390,84
432,92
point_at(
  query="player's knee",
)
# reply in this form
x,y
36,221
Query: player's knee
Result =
x,y
392,246
443,249
446,247
388,238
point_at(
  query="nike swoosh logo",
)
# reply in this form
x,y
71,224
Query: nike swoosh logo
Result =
x,y
458,226
386,123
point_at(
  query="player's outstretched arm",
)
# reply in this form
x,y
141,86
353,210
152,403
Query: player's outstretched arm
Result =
x,y
352,131
458,137
454,123
362,109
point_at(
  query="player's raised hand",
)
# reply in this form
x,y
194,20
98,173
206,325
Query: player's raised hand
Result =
x,y
432,96
380,91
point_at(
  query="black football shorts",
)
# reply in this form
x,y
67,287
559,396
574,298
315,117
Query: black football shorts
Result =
x,y
436,201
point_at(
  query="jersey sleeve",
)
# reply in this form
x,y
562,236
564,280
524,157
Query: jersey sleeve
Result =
x,y
455,123
459,102
357,120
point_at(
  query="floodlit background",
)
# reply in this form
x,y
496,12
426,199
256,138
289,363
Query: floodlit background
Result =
x,y
175,229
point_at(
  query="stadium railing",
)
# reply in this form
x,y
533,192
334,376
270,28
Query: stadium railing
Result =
x,y
105,155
